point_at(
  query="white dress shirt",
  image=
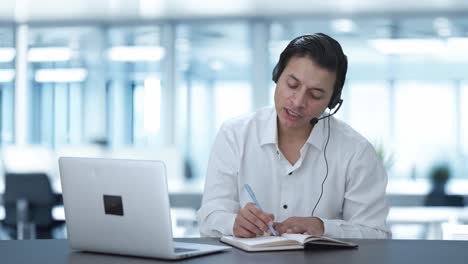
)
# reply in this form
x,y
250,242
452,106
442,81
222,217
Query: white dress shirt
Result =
x,y
353,204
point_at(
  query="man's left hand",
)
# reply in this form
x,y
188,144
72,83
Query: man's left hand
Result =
x,y
300,225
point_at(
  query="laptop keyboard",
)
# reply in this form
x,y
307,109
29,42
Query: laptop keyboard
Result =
x,y
181,250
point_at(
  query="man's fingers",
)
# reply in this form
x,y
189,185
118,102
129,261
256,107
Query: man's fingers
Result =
x,y
254,219
298,230
246,223
240,231
281,229
241,224
289,229
271,216
266,218
250,205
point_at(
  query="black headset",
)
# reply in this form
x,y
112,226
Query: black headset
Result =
x,y
342,66
335,101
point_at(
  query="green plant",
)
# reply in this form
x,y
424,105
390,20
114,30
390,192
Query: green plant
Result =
x,y
388,158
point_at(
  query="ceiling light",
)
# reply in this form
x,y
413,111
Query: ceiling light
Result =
x,y
7,54
136,53
49,54
343,25
7,75
216,65
408,46
60,75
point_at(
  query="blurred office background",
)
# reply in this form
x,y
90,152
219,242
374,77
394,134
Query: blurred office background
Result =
x,y
155,79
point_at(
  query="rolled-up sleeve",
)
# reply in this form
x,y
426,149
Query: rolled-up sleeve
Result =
x,y
365,207
220,202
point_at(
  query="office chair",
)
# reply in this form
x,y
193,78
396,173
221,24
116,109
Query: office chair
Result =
x,y
29,196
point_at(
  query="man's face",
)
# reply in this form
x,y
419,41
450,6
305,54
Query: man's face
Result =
x,y
303,92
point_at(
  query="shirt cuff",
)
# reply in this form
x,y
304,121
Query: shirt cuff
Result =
x,y
331,228
228,224
218,224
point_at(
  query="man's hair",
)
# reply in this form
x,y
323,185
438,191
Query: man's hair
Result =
x,y
324,51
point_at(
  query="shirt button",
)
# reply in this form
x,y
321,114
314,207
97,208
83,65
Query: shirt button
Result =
x,y
285,206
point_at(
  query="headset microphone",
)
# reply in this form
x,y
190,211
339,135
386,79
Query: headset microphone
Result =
x,y
315,120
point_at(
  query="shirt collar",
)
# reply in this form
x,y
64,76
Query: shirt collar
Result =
x,y
269,135
317,136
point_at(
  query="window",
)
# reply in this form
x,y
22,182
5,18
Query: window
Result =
x,y
7,79
62,63
464,119
424,125
369,111
134,95
147,112
231,99
213,68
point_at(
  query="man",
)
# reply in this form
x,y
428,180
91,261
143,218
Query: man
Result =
x,y
310,172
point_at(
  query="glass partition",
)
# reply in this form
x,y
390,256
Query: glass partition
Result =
x,y
213,69
62,64
7,80
135,84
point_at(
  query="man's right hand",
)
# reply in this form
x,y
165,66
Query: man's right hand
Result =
x,y
251,222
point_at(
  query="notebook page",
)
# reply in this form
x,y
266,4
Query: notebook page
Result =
x,y
298,237
262,240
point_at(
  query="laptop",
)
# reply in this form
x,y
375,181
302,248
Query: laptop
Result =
x,y
121,207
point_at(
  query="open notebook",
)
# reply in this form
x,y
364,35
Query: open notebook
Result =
x,y
284,242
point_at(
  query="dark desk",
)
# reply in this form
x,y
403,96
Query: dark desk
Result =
x,y
369,251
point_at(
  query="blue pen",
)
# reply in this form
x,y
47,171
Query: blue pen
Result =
x,y
254,199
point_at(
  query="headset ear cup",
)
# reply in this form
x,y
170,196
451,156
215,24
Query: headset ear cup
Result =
x,y
332,102
274,75
335,100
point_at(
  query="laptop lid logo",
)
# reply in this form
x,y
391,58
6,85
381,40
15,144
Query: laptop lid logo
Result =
x,y
113,205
